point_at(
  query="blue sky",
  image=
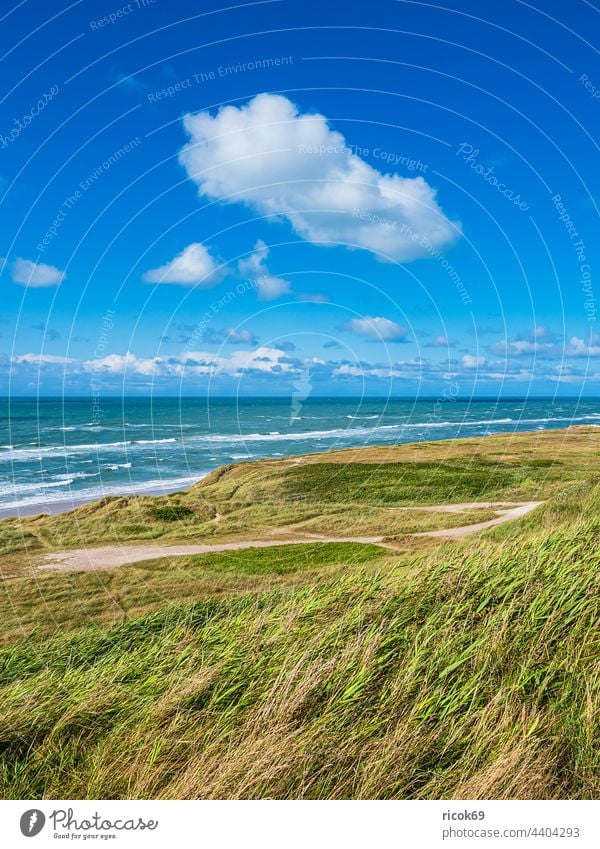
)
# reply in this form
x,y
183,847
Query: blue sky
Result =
x,y
399,197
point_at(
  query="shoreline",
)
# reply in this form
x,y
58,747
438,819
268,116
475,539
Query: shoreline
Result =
x,y
66,505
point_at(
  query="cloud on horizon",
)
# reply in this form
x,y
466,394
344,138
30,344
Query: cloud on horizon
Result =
x,y
263,365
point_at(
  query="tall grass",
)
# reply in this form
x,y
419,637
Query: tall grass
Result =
x,y
470,671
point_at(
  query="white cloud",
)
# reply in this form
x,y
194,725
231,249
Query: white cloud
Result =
x,y
194,266
578,347
381,372
36,275
121,363
262,359
286,164
539,342
442,342
469,361
229,336
239,337
268,286
40,359
275,365
376,327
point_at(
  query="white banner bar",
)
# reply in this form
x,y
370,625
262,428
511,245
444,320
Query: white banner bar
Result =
x,y
327,824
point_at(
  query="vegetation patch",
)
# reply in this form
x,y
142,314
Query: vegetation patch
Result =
x,y
171,512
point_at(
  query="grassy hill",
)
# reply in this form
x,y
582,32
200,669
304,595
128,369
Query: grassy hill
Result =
x,y
464,669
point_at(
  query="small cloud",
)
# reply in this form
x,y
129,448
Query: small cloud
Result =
x,y
286,346
133,83
194,266
314,298
377,328
36,275
229,336
333,343
441,342
469,361
540,341
41,359
581,348
269,287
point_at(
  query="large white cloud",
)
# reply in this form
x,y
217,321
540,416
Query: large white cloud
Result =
x,y
194,266
283,163
36,275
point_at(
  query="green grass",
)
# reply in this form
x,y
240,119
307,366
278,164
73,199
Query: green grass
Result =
x,y
32,609
464,670
321,493
387,483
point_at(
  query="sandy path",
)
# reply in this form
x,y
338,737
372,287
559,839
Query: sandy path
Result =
x,y
112,556
504,515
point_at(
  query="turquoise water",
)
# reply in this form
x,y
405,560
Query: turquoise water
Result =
x,y
56,452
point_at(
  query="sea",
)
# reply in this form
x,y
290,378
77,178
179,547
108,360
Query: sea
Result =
x,y
56,453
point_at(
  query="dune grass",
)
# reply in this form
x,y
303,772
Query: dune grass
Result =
x,y
464,670
52,603
342,492
469,672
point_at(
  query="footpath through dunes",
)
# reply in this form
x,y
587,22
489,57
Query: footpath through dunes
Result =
x,y
463,671
387,493
113,556
434,670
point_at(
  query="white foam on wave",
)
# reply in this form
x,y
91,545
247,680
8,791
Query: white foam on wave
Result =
x,y
75,476
80,496
16,455
15,489
353,432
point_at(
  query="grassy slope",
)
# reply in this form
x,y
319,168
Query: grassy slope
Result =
x,y
466,670
349,492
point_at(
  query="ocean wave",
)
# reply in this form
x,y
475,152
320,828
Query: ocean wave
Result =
x,y
71,476
76,497
23,454
353,432
17,488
